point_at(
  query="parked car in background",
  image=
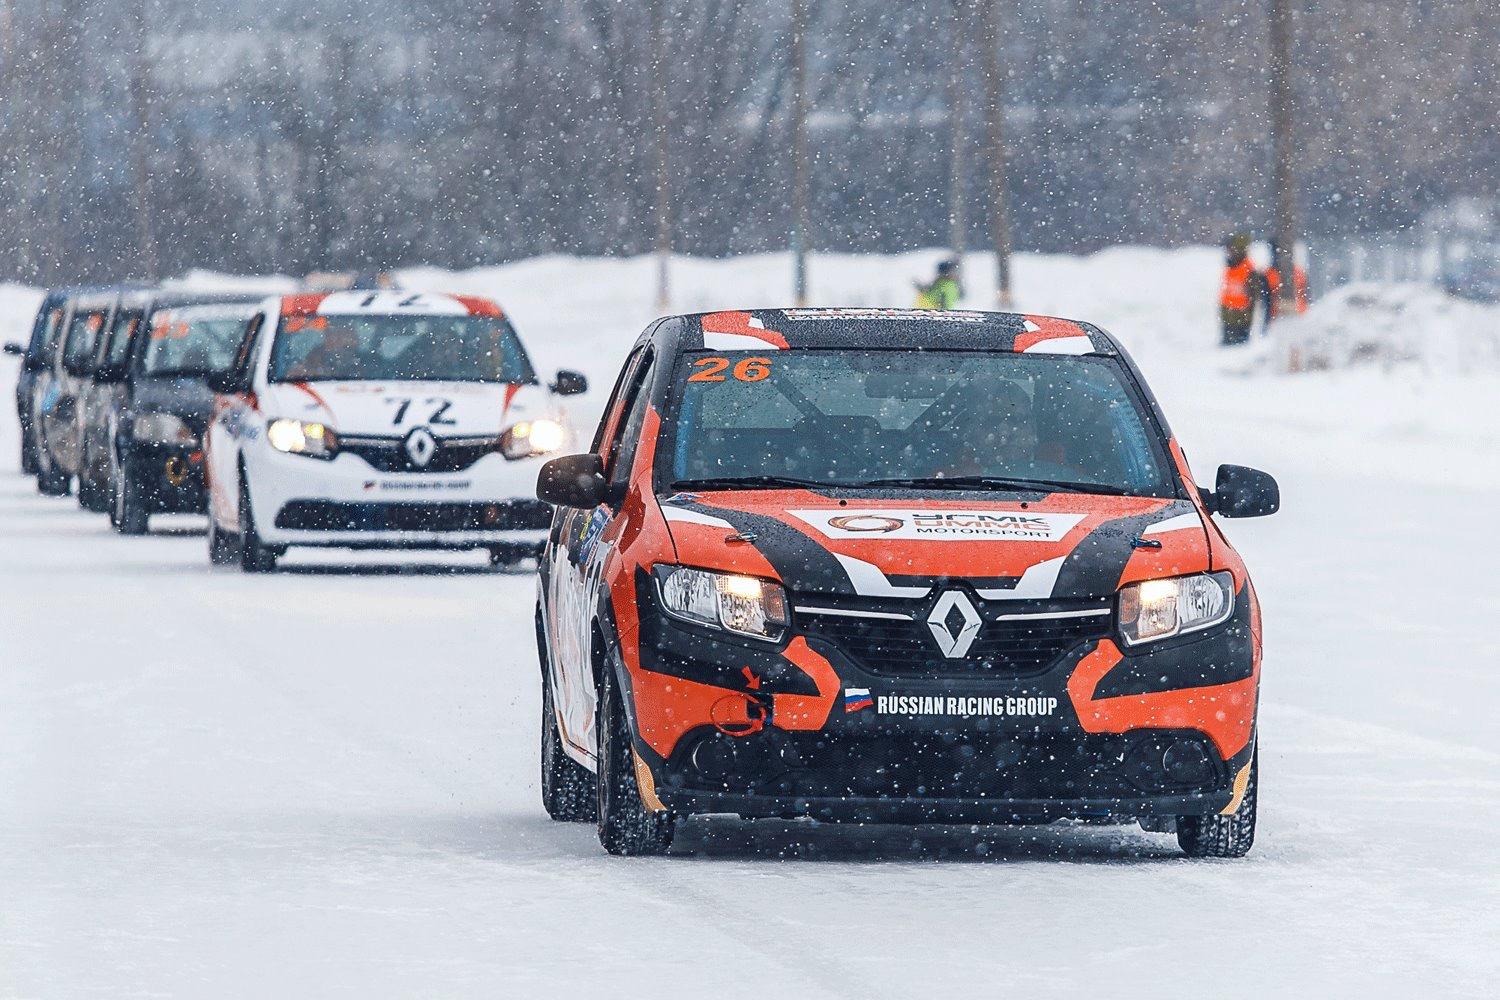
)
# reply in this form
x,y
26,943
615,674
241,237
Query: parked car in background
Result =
x,y
878,565
379,419
33,355
57,393
148,403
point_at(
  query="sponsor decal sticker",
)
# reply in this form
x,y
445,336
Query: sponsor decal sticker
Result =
x,y
422,485
857,699
941,525
683,498
946,316
966,706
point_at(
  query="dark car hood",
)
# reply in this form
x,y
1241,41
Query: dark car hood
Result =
x,y
1059,545
188,397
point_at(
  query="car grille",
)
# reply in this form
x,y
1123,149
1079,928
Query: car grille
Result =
x,y
324,515
1004,647
388,455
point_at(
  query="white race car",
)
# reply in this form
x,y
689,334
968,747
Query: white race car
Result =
x,y
381,420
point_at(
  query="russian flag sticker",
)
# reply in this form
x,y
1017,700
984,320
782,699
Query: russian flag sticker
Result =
x,y
856,699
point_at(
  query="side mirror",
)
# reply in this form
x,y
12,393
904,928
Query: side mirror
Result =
x,y
109,374
1244,492
569,383
573,481
225,382
14,349
77,369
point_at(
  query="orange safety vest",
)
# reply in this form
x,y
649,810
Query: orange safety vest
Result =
x,y
1235,292
1299,282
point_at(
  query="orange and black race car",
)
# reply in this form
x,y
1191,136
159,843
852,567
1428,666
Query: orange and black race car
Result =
x,y
900,566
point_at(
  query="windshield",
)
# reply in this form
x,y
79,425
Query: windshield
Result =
x,y
193,341
937,418
399,348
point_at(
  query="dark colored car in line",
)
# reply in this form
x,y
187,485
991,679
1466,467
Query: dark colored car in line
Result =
x,y
149,404
60,388
874,565
43,339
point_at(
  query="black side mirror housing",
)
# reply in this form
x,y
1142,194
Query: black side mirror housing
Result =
x,y
1244,492
573,481
14,349
77,369
109,374
569,383
225,382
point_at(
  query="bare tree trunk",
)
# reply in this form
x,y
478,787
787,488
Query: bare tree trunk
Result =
x,y
659,128
994,96
140,102
957,222
1283,152
799,149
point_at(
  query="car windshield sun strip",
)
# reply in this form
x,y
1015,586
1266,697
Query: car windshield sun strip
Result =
x,y
746,481
993,482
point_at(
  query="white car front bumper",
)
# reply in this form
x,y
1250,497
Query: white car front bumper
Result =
x,y
346,502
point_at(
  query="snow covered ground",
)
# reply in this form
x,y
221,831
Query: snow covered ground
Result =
x,y
323,782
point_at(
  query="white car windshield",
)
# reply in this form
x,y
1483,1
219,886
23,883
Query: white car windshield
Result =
x,y
398,348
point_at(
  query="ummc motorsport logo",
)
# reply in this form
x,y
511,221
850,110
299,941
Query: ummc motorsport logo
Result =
x,y
941,525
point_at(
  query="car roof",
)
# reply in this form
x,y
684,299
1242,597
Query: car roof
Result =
x,y
378,303
150,299
901,329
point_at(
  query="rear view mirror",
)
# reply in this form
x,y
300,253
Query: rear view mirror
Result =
x,y
1245,492
573,481
569,383
14,349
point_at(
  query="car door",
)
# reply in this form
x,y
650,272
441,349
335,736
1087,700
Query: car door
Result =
x,y
233,417
578,560
60,403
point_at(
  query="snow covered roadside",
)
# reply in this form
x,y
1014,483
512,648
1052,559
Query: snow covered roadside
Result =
x,y
324,783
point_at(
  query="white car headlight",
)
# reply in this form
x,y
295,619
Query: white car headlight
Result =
x,y
299,437
1159,609
747,605
532,437
162,428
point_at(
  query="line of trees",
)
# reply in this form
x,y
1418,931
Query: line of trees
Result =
x,y
150,136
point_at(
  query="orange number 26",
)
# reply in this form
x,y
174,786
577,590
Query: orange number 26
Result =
x,y
748,370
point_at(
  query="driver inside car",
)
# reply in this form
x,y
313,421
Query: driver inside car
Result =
x,y
336,357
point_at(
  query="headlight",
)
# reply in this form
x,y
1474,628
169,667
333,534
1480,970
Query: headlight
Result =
x,y
298,437
1157,609
535,437
747,605
162,428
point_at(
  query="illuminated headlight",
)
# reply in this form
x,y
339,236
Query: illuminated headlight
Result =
x,y
298,437
1158,609
534,437
747,605
162,428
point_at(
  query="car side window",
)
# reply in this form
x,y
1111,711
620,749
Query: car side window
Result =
x,y
83,335
609,424
622,452
126,323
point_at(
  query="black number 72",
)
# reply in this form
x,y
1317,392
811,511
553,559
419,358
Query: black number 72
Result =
x,y
403,403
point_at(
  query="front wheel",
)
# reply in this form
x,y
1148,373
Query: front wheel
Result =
x,y
128,515
626,826
255,556
1221,836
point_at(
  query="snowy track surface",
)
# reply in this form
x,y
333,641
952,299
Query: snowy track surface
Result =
x,y
323,782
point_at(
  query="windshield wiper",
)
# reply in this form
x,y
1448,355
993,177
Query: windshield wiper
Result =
x,y
748,482
996,483
182,372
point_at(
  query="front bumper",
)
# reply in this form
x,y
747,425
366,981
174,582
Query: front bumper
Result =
x,y
169,477
344,502
725,726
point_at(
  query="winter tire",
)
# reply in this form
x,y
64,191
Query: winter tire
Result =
x,y
128,514
255,557
626,826
569,791
28,454
92,496
221,546
1223,836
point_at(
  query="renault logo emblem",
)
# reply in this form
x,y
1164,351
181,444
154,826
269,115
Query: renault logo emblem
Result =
x,y
954,623
420,447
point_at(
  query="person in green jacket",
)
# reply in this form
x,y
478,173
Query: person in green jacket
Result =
x,y
943,292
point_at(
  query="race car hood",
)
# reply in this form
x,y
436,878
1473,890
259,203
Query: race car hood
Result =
x,y
390,409
1032,547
